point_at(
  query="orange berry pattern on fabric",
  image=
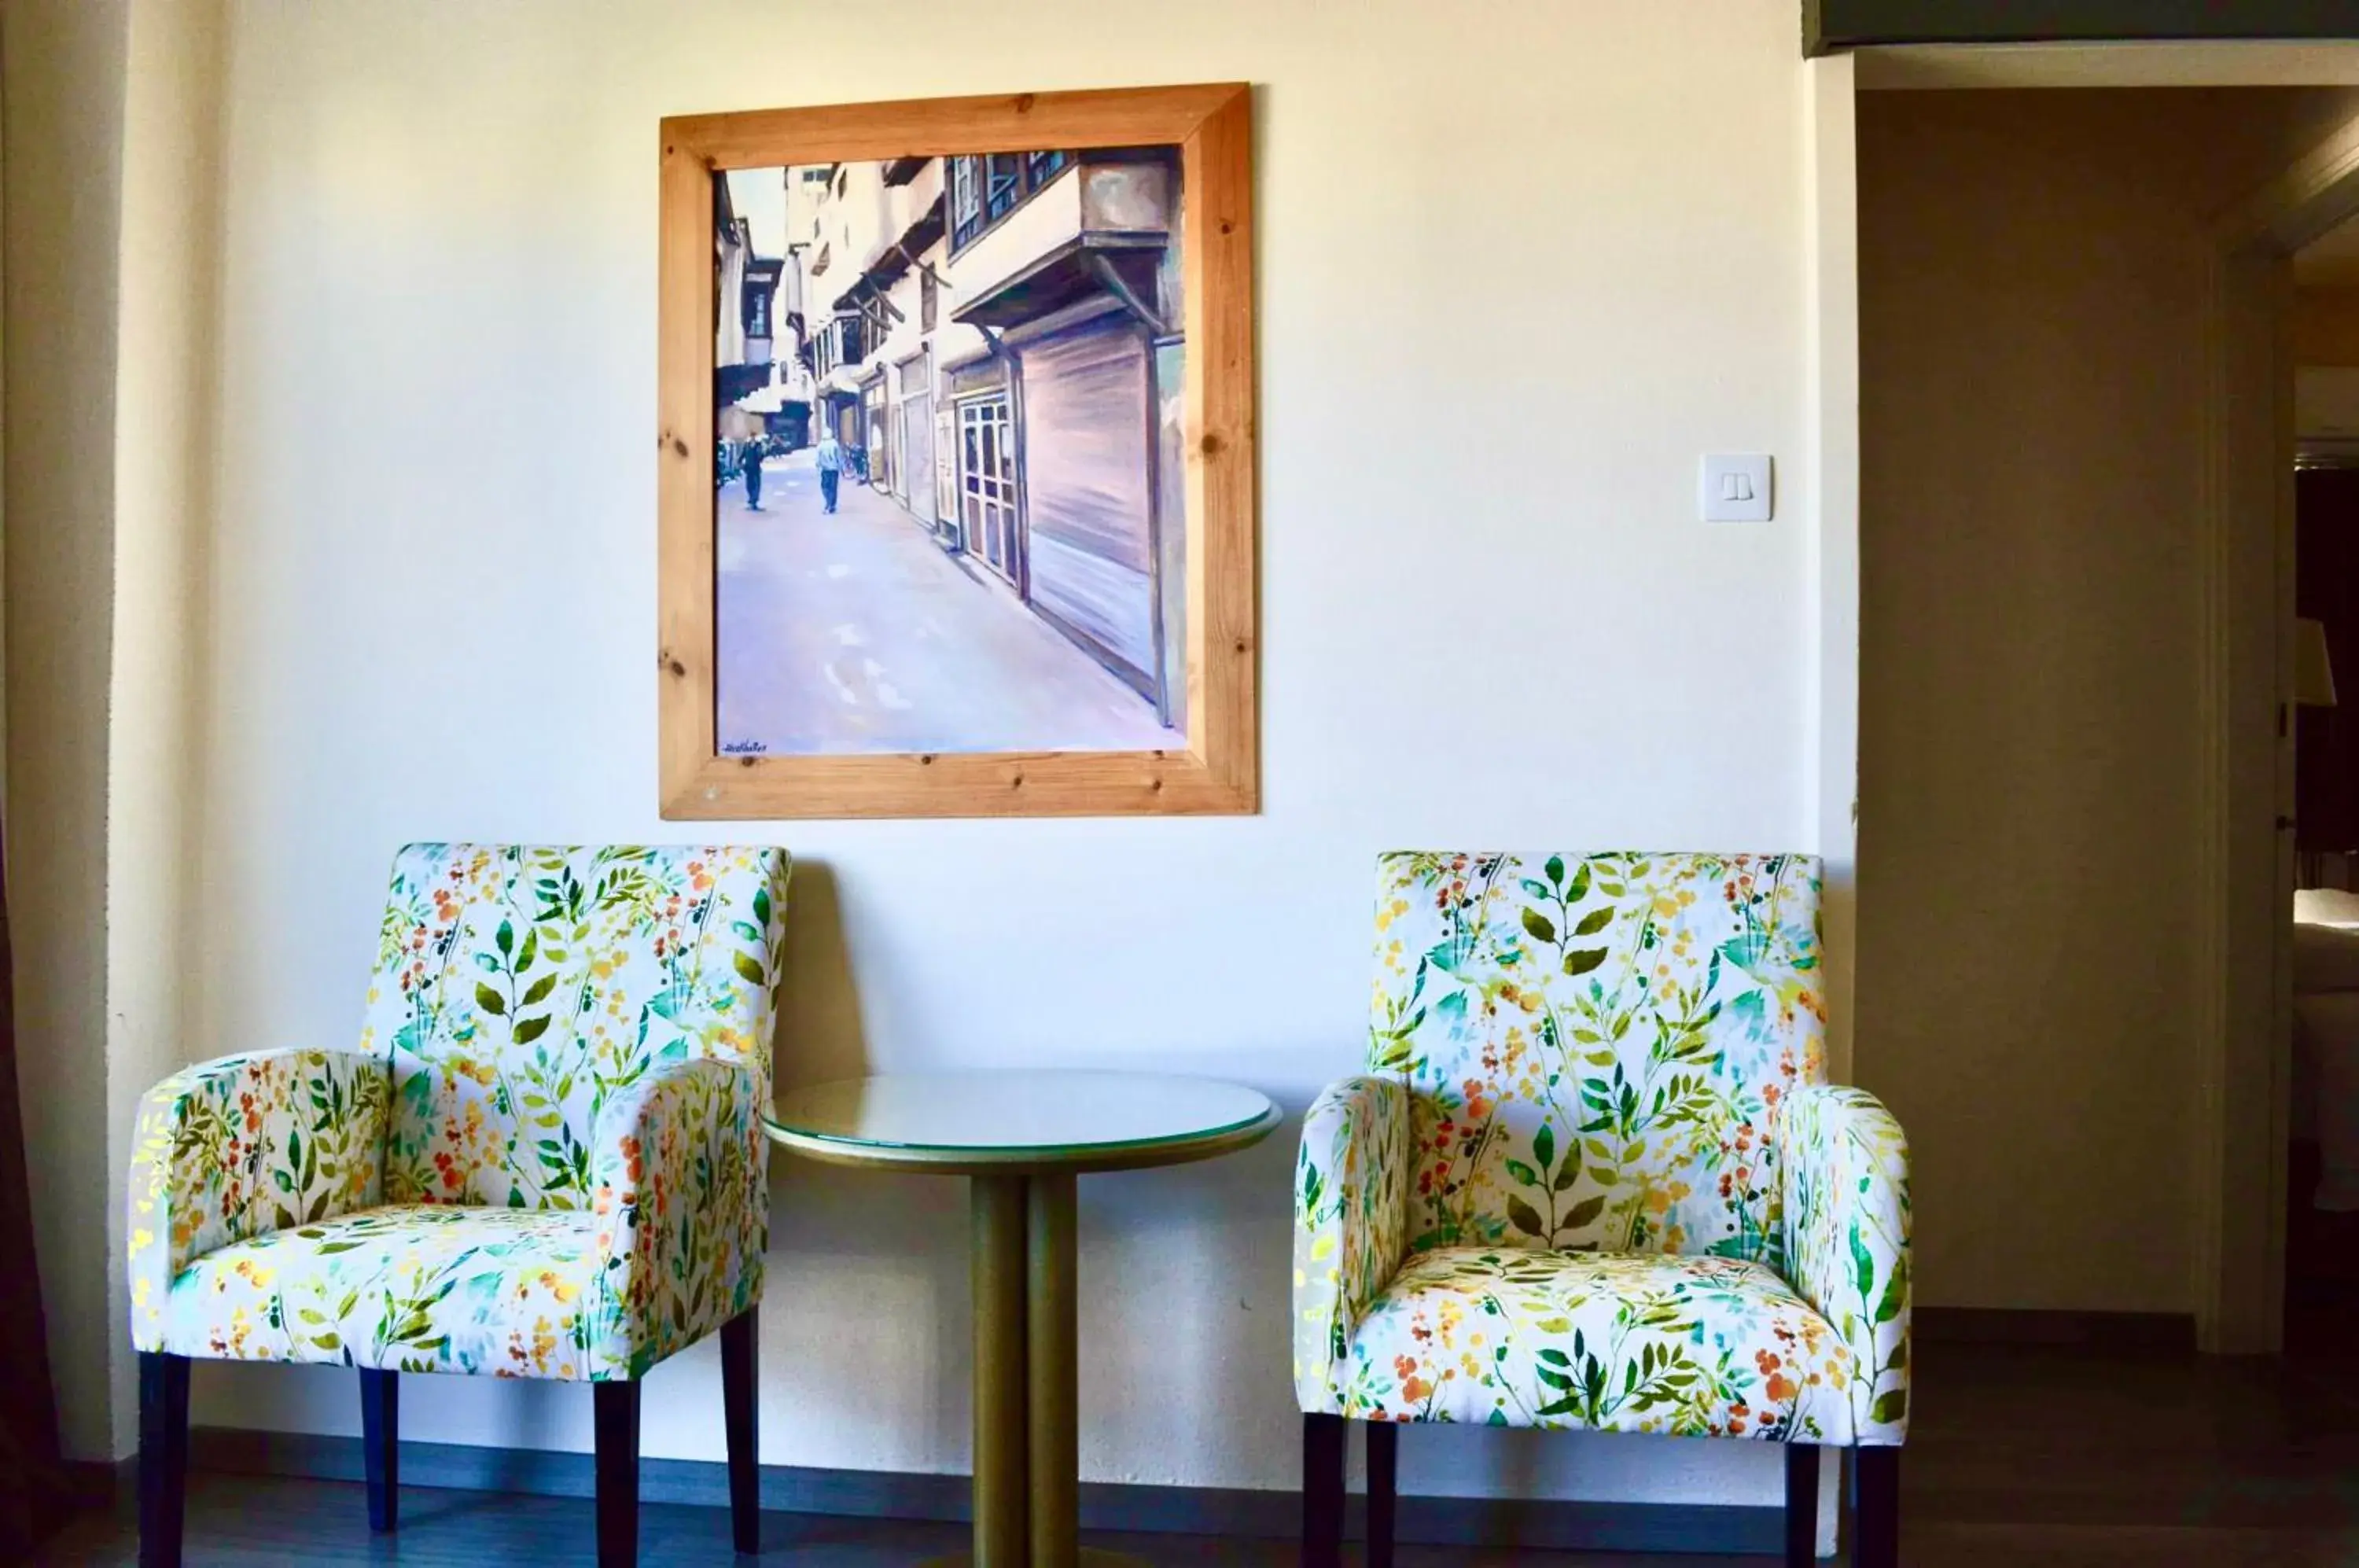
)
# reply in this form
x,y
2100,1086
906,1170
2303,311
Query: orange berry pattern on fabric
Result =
x,y
1594,1176
544,1158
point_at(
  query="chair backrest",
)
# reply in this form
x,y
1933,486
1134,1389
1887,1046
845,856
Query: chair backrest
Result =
x,y
1597,1047
520,989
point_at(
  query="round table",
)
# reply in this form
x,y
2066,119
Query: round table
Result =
x,y
1021,1138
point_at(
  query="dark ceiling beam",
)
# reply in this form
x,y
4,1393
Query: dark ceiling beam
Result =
x,y
1829,25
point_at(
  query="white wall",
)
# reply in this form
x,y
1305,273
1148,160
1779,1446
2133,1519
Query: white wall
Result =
x,y
1520,263
1830,468
63,90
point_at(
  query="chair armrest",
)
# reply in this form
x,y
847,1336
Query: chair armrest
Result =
x,y
1351,1224
1845,1189
242,1146
678,1175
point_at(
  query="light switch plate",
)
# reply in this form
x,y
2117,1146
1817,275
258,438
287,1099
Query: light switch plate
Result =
x,y
1733,487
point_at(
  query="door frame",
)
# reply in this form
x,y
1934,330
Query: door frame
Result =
x,y
2245,881
2241,899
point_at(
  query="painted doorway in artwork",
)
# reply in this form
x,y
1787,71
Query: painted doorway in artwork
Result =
x,y
988,504
946,486
915,471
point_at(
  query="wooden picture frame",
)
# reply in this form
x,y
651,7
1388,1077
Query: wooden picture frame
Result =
x,y
1216,771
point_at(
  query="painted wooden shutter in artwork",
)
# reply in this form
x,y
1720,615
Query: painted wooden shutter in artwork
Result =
x,y
1087,433
918,455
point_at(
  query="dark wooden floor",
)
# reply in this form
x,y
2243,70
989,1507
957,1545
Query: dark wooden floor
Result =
x,y
2048,1457
2321,1265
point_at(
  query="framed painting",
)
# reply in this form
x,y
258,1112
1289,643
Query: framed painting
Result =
x,y
956,458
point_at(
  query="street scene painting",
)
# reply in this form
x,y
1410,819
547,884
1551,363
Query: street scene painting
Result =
x,y
949,507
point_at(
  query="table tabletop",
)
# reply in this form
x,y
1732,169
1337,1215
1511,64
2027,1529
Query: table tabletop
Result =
x,y
1020,1120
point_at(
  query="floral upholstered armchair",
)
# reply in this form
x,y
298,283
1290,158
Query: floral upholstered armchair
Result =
x,y
1594,1178
543,1157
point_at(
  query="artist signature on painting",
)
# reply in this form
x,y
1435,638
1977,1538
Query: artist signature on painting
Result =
x,y
742,748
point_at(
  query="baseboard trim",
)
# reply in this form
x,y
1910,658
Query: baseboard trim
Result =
x,y
95,1483
1702,1529
2146,1332
55,1494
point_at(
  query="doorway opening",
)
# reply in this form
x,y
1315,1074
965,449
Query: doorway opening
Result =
x,y
2076,757
2322,1210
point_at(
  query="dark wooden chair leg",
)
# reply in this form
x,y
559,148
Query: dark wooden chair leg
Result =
x,y
1384,1489
1323,1491
617,1409
1801,1504
163,1456
381,1444
1876,1522
740,1383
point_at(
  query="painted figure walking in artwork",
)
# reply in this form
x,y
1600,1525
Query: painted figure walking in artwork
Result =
x,y
829,461
751,457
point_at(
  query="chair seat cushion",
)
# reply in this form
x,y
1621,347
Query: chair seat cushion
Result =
x,y
408,1286
1608,1342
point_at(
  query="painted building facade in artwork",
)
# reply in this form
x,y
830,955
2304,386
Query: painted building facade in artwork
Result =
x,y
995,343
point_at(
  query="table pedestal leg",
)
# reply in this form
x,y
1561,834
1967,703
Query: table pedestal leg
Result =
x,y
1049,1355
1027,1431
1001,1536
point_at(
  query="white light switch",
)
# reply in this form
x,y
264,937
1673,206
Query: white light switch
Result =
x,y
1733,487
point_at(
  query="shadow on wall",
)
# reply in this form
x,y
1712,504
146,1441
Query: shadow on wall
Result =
x,y
867,1270
1185,1279
820,1035
1187,1276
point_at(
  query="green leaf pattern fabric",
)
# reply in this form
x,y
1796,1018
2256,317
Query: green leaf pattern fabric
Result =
x,y
408,1288
683,1237
242,1147
1847,1221
1692,1347
1350,1206
548,1156
1598,1056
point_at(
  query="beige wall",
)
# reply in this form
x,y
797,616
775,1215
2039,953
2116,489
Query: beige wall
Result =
x,y
62,83
328,490
1490,615
427,488
2326,325
112,214
166,365
2031,286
